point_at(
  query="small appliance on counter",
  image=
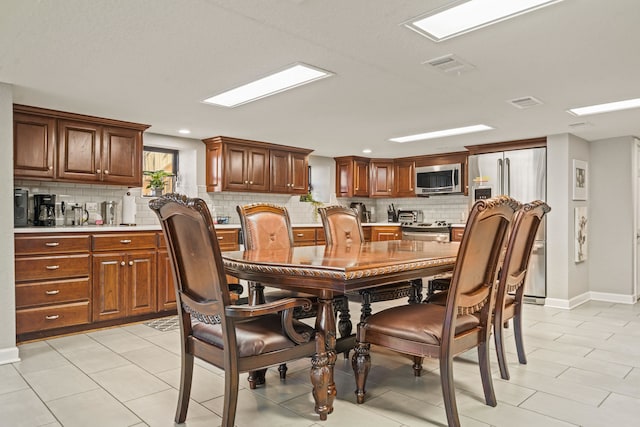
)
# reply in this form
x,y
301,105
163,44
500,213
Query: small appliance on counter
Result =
x,y
392,213
361,209
20,207
109,212
44,210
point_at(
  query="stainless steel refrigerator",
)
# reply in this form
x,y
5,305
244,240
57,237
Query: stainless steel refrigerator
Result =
x,y
521,174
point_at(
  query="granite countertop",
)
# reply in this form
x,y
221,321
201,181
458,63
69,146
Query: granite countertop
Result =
x,y
125,228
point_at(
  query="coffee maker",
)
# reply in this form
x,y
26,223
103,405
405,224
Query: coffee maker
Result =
x,y
20,207
44,210
361,209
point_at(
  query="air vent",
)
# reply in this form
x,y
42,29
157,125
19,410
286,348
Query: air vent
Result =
x,y
579,125
525,102
450,64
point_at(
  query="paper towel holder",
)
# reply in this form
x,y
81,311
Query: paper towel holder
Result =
x,y
128,218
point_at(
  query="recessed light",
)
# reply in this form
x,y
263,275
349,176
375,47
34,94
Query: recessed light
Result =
x,y
367,150
442,133
459,17
293,76
605,108
184,131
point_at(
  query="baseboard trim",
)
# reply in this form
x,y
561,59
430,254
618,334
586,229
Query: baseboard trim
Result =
x,y
567,304
616,298
9,355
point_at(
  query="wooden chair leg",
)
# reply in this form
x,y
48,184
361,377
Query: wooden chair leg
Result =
x,y
517,333
485,374
448,391
256,378
417,366
282,369
365,309
344,320
186,376
361,364
416,291
498,336
231,383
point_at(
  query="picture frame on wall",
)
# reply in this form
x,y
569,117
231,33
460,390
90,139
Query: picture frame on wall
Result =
x,y
580,179
580,234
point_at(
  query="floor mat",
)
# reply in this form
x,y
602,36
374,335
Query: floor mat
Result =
x,y
164,324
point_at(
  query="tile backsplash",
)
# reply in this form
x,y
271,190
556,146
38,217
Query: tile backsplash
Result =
x,y
450,208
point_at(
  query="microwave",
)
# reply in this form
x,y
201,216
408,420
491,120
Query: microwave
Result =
x,y
441,179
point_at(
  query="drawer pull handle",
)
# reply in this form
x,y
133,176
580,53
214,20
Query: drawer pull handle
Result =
x,y
122,263
125,241
52,267
220,238
299,235
130,262
52,317
56,292
52,244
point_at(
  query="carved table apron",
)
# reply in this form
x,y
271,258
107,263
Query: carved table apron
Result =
x,y
326,271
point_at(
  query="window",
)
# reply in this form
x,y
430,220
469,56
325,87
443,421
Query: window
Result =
x,y
159,159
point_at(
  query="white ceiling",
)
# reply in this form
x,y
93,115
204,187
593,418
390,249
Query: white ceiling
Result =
x,y
154,61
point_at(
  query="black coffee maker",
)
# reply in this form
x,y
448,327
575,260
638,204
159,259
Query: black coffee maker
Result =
x,y
44,210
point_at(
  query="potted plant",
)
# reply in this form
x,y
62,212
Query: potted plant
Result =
x,y
157,181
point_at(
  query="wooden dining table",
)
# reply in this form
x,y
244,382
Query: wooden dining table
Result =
x,y
328,271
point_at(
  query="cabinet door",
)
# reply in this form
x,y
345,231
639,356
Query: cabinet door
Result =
x,y
381,179
109,286
344,178
79,151
361,178
235,163
121,156
258,169
141,282
299,175
166,291
34,146
213,171
280,171
404,179
383,233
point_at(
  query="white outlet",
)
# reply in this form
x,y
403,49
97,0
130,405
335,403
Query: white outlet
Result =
x,y
91,206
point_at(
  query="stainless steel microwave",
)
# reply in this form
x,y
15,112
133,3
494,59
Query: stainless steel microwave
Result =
x,y
442,179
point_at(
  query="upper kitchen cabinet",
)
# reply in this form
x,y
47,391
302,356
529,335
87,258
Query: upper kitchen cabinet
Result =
x,y
289,172
352,176
461,157
381,178
241,165
71,147
404,178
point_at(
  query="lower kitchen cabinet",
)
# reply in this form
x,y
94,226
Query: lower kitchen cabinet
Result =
x,y
456,234
385,232
124,284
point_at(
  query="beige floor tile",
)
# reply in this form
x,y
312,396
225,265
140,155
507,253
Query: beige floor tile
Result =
x,y
23,408
615,357
38,356
59,382
10,380
129,382
123,341
94,408
159,409
71,343
585,363
96,359
169,341
154,359
141,330
628,387
206,385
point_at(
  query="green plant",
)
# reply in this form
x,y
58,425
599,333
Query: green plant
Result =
x,y
156,180
316,204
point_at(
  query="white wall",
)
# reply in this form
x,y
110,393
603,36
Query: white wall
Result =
x,y
8,349
611,219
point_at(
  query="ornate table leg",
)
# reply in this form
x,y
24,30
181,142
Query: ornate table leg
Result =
x,y
256,296
323,362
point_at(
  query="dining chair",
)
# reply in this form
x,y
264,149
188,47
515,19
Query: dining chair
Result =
x,y
342,226
235,338
268,226
463,323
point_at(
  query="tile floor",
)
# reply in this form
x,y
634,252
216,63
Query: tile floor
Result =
x,y
584,369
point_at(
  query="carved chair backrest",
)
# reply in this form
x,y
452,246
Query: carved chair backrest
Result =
x,y
341,225
265,226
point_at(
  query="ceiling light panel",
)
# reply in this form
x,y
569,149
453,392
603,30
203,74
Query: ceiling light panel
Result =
x,y
289,78
605,108
461,17
441,133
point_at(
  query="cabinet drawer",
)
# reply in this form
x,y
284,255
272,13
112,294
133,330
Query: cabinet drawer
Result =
x,y
304,236
53,292
119,242
55,316
456,234
58,243
162,242
53,267
320,237
228,240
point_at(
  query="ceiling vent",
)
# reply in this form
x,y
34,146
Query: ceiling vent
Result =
x,y
450,64
525,102
579,125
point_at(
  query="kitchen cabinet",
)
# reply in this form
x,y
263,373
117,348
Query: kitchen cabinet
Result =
x,y
352,176
71,147
52,282
461,157
382,172
124,275
456,234
385,232
241,165
404,178
289,172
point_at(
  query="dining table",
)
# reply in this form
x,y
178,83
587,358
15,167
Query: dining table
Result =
x,y
329,271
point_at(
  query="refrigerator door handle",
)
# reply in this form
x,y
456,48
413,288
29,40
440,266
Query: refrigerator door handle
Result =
x,y
500,177
507,179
